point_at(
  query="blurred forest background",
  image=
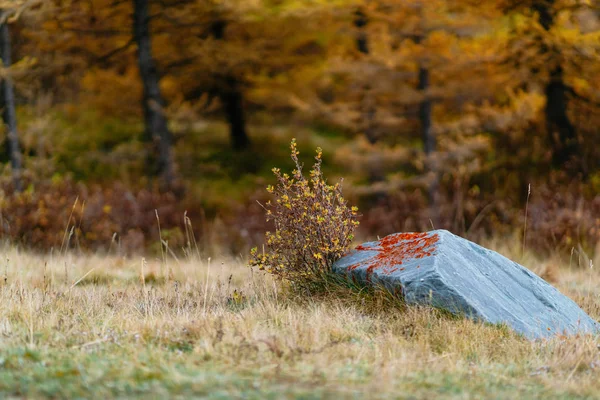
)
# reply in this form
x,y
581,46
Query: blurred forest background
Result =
x,y
435,112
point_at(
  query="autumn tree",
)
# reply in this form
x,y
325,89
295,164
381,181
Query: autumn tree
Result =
x,y
153,104
230,92
426,66
234,57
208,54
368,109
203,35
556,43
7,99
99,55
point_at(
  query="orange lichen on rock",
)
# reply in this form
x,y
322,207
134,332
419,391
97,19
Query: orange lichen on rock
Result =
x,y
394,249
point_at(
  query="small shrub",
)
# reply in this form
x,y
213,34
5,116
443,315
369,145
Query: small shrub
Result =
x,y
313,225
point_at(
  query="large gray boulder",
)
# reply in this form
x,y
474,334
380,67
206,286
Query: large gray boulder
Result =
x,y
448,272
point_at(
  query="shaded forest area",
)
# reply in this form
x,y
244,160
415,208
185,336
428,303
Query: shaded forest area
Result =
x,y
453,114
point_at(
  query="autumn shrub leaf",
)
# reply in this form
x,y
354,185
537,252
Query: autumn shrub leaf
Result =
x,y
314,226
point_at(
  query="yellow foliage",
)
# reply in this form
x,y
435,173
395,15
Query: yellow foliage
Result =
x,y
314,226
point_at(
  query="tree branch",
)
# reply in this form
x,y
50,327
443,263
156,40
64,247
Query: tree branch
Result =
x,y
115,51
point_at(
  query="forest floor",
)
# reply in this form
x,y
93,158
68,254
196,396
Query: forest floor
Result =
x,y
75,326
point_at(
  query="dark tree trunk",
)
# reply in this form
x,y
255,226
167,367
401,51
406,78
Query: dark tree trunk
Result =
x,y
425,108
544,10
367,103
7,98
157,132
560,131
360,21
233,100
429,141
233,103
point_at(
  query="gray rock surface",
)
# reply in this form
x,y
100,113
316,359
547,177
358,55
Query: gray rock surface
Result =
x,y
452,273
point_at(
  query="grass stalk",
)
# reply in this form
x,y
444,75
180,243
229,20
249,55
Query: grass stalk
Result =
x,y
525,223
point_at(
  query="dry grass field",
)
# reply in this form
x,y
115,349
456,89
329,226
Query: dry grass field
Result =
x,y
74,326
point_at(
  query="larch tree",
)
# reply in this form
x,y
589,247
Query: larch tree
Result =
x,y
426,63
99,55
232,57
7,101
231,95
208,59
222,59
551,43
155,121
368,107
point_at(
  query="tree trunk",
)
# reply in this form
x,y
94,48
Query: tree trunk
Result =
x,y
368,105
425,108
233,100
7,98
560,131
233,104
360,21
366,102
429,140
157,132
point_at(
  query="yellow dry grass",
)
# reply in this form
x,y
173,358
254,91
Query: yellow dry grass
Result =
x,y
194,328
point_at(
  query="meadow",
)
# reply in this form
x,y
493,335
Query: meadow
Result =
x,y
105,326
